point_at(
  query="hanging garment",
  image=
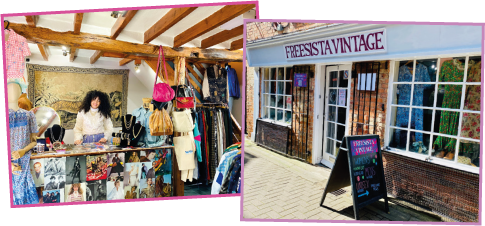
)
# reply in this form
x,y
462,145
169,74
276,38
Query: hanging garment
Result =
x,y
218,86
214,148
184,152
22,124
220,142
451,71
16,49
143,116
202,164
402,119
222,171
231,180
470,126
233,83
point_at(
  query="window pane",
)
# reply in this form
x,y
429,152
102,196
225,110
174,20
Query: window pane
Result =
x,y
330,130
419,143
402,94
470,126
272,88
288,117
281,73
399,117
271,113
279,115
343,82
342,98
423,95
446,122
444,147
288,102
272,101
469,153
333,78
332,98
265,112
474,69
280,101
266,74
281,87
331,113
452,69
289,73
337,147
289,88
421,119
340,132
472,98
342,117
265,99
266,87
426,70
406,69
449,96
398,138
272,76
330,147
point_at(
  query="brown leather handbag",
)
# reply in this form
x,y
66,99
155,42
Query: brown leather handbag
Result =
x,y
160,123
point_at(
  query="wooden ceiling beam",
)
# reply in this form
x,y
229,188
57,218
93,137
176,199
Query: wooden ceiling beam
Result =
x,y
217,19
191,69
200,68
125,61
95,56
78,20
170,72
222,37
121,23
32,20
43,51
238,44
39,35
166,22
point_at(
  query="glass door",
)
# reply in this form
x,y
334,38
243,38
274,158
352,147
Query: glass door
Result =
x,y
336,111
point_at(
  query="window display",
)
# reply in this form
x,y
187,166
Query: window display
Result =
x,y
445,114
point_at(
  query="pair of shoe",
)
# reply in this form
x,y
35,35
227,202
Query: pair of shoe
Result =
x,y
444,155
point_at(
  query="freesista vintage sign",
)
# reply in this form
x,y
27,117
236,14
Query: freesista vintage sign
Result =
x,y
352,44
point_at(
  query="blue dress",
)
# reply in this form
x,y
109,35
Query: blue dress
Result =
x,y
22,123
402,119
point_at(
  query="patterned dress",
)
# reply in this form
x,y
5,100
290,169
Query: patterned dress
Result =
x,y
402,119
470,126
451,71
217,86
22,124
16,49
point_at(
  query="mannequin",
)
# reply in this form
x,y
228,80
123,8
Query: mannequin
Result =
x,y
22,126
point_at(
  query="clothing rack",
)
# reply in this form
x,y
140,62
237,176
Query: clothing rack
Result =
x,y
210,105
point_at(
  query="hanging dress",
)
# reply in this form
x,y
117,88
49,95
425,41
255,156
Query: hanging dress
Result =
x,y
22,124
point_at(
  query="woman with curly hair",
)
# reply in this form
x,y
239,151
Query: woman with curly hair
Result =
x,y
75,194
93,122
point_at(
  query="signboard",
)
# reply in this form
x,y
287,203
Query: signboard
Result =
x,y
300,79
342,97
367,81
359,166
365,42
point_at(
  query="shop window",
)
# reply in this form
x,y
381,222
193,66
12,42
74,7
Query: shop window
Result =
x,y
276,103
435,110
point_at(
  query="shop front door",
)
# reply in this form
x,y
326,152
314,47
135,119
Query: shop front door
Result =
x,y
335,127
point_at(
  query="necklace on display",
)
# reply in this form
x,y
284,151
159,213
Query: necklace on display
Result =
x,y
128,125
56,143
139,131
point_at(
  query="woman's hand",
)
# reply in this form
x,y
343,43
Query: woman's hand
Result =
x,y
78,142
103,140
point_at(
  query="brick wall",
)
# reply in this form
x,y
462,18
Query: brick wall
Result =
x,y
363,106
449,192
264,30
249,100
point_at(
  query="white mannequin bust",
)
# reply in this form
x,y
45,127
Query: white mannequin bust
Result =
x,y
14,91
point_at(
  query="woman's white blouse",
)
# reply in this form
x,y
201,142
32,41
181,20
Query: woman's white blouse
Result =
x,y
89,124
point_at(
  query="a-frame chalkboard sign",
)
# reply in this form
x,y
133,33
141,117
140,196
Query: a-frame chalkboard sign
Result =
x,y
359,164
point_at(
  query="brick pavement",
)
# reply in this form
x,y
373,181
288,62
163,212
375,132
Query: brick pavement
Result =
x,y
278,187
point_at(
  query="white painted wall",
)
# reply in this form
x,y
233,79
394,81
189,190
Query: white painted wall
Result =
x,y
139,84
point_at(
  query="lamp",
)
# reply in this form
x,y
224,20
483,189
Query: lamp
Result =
x,y
65,51
116,14
137,65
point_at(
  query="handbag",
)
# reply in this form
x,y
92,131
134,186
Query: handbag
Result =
x,y
162,91
182,121
160,123
184,101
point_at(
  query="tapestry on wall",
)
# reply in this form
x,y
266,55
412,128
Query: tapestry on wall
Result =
x,y
63,89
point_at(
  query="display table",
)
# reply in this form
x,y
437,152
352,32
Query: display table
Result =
x,y
178,184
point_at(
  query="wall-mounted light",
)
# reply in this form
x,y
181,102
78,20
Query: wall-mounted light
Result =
x,y
116,14
65,51
137,66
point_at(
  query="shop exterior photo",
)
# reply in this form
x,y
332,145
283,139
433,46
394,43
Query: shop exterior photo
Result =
x,y
362,121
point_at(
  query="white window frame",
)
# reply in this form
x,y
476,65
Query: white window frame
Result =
x,y
429,157
265,93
